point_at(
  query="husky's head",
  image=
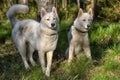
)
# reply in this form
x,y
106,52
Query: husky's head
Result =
x,y
50,19
84,20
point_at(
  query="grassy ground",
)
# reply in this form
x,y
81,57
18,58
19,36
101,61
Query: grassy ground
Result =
x,y
105,47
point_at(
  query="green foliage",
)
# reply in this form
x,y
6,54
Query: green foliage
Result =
x,y
34,74
63,39
109,65
105,51
5,31
104,77
105,34
71,9
107,9
104,42
32,14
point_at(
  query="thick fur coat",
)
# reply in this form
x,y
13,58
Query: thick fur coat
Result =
x,y
41,36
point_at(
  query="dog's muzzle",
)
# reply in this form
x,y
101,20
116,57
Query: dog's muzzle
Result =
x,y
88,26
53,26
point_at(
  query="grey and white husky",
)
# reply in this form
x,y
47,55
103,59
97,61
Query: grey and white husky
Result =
x,y
78,35
41,36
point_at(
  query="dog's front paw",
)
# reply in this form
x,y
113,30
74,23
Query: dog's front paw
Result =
x,y
47,73
27,66
69,61
33,63
44,70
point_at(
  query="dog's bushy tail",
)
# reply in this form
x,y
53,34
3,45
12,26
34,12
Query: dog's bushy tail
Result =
x,y
14,10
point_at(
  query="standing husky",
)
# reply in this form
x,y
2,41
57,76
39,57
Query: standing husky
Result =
x,y
41,36
78,35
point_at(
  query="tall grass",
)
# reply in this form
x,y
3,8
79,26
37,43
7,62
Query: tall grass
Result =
x,y
105,47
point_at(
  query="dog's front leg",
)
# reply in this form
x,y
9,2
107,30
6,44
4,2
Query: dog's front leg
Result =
x,y
86,48
87,51
71,51
42,60
49,62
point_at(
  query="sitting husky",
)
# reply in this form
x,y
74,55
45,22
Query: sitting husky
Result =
x,y
78,35
41,36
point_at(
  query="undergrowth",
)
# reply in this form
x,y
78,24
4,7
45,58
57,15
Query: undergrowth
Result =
x,y
105,47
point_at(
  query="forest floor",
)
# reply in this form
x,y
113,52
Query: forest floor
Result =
x,y
105,49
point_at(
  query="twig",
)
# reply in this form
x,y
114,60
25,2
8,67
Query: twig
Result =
x,y
114,7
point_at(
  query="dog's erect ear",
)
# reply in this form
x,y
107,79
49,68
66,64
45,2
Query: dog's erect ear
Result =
x,y
80,12
55,11
43,12
90,12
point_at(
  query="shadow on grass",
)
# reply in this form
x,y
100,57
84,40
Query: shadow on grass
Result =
x,y
11,67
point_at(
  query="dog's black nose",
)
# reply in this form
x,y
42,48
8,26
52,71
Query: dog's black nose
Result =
x,y
52,24
88,26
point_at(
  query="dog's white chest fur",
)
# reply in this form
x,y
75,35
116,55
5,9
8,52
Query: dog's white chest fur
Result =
x,y
47,43
78,38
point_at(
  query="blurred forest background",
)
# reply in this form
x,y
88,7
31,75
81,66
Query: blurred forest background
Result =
x,y
104,42
108,10
104,9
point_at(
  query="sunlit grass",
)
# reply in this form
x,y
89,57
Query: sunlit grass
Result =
x,y
105,47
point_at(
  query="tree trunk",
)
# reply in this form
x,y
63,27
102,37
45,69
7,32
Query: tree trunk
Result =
x,y
23,2
78,3
64,4
47,4
90,5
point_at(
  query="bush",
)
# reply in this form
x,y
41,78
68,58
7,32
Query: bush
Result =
x,y
107,9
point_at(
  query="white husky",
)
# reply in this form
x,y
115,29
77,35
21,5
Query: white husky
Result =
x,y
41,36
78,35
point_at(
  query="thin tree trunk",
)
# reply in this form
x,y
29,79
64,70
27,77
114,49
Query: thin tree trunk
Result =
x,y
64,4
23,2
55,3
78,3
90,5
47,4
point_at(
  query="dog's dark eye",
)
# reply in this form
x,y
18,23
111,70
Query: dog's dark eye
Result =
x,y
84,20
89,20
48,19
54,18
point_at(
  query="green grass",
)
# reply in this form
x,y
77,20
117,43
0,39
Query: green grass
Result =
x,y
5,30
105,47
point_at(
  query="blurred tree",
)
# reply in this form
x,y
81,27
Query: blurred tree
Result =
x,y
104,9
23,1
90,4
108,10
78,3
64,4
47,4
